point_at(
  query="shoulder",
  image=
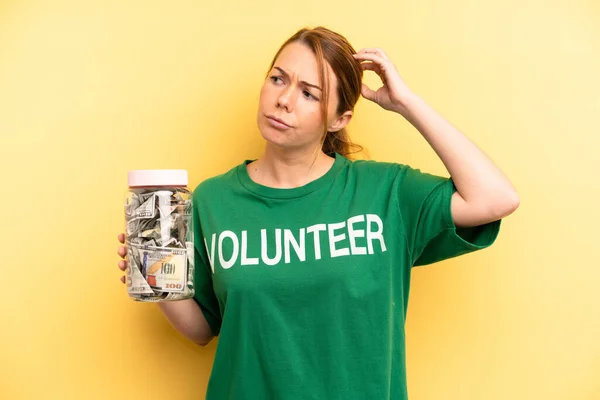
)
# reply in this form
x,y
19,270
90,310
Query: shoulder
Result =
x,y
377,169
399,170
403,178
217,183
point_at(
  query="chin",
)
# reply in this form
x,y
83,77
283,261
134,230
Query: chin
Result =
x,y
272,135
274,140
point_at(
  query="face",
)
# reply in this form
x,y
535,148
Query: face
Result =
x,y
289,112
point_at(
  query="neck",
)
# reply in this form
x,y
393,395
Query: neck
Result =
x,y
289,169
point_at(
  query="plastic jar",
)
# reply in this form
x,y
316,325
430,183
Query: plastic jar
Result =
x,y
159,236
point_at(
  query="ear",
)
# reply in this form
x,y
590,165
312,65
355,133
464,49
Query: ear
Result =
x,y
340,122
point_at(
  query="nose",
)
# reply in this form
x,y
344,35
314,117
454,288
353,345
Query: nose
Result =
x,y
286,98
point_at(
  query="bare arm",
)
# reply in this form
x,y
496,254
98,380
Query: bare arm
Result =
x,y
484,194
187,317
184,315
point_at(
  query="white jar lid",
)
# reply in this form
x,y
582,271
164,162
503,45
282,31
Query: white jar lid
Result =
x,y
157,177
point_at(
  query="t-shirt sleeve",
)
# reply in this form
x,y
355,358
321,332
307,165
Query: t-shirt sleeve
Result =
x,y
431,234
203,284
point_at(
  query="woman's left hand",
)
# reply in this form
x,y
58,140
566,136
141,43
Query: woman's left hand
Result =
x,y
394,95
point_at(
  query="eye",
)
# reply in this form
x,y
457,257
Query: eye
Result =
x,y
274,78
308,95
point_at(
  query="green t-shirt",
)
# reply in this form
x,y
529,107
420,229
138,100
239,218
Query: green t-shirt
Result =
x,y
308,287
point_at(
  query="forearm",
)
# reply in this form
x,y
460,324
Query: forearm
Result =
x,y
187,317
477,179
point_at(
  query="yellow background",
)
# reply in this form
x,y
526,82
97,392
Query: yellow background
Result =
x,y
92,89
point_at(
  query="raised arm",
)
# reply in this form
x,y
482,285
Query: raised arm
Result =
x,y
484,194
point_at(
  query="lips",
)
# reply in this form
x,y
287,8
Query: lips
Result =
x,y
278,120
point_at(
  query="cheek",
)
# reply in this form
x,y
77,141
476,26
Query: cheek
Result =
x,y
264,95
261,96
331,109
312,117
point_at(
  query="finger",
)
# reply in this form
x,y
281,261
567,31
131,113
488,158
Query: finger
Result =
x,y
122,251
370,57
121,237
367,93
369,66
123,279
374,50
122,265
382,53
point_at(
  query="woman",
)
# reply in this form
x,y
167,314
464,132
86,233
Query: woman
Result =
x,y
304,257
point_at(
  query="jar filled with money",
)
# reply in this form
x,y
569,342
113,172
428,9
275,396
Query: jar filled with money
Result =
x,y
159,236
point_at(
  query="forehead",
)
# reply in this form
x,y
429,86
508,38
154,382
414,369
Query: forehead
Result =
x,y
299,61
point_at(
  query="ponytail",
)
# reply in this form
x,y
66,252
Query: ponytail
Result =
x,y
339,142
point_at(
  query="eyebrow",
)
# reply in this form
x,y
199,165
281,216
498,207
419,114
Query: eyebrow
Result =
x,y
303,82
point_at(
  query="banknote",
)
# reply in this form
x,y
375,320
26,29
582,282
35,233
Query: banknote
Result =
x,y
160,245
164,269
